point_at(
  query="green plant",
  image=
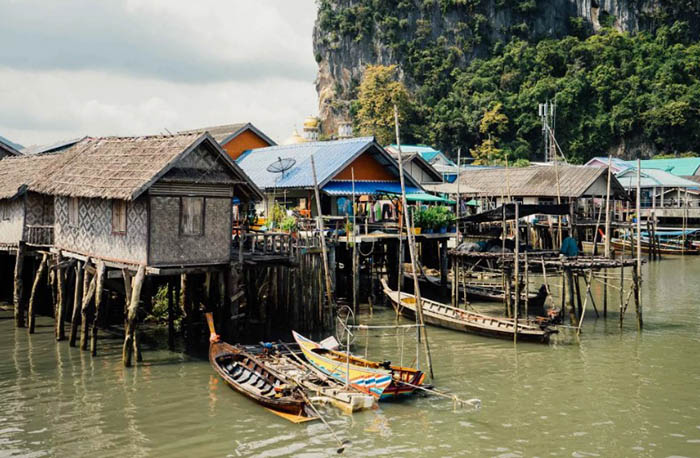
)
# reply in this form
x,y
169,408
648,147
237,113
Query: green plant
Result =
x,y
289,224
277,214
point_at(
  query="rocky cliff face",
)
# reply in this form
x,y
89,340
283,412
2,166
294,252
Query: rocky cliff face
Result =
x,y
350,34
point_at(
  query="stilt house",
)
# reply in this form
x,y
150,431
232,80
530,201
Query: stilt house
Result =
x,y
156,201
25,215
284,173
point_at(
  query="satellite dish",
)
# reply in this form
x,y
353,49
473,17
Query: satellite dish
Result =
x,y
281,165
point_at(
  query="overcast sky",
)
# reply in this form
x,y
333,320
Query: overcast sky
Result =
x,y
70,68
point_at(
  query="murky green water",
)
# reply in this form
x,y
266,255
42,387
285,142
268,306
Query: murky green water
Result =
x,y
614,394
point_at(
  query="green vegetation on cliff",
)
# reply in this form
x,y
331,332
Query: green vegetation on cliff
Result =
x,y
476,85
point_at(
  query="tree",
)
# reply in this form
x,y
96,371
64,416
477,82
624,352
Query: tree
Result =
x,y
493,123
376,96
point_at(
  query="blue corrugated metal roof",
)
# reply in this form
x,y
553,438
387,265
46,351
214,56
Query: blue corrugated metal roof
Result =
x,y
344,188
330,158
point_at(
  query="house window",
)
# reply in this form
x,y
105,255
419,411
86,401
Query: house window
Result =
x,y
192,216
73,212
119,216
4,211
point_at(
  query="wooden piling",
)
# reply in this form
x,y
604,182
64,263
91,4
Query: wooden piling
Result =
x,y
35,291
88,294
99,296
77,302
18,285
129,337
622,293
572,308
61,299
171,323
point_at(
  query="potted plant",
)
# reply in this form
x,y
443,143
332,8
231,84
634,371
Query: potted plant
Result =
x,y
418,220
428,221
289,224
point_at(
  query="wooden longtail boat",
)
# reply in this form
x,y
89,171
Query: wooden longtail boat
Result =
x,y
449,317
250,377
325,388
624,246
381,380
490,292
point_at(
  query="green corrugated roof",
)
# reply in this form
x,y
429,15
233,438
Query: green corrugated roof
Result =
x,y
683,166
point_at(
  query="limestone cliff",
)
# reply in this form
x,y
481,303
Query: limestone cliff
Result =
x,y
350,34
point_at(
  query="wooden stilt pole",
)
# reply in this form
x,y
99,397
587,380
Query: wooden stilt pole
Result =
x,y
18,285
61,299
89,293
527,288
35,291
99,304
129,338
77,302
622,293
577,287
572,308
171,322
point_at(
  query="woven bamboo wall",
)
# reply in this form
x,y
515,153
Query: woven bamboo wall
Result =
x,y
39,209
168,247
93,233
11,229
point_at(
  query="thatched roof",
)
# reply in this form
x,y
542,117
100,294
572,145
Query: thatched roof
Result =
x,y
123,168
535,181
19,173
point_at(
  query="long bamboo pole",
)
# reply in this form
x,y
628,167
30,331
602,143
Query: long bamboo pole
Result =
x,y
607,211
638,279
517,272
326,270
355,266
412,251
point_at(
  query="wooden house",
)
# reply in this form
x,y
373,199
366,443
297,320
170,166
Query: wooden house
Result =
x,y
418,168
235,139
376,173
536,184
155,201
25,215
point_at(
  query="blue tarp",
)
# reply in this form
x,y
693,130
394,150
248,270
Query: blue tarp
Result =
x,y
344,188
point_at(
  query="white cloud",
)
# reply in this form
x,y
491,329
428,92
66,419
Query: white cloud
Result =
x,y
142,66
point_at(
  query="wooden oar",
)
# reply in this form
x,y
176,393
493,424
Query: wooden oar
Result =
x,y
476,403
341,444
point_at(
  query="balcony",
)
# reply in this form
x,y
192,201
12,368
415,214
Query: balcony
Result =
x,y
37,235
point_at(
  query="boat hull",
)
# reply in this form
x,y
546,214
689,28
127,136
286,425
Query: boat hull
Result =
x,y
456,319
378,382
622,246
223,355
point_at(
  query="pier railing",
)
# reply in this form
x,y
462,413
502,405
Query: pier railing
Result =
x,y
274,244
39,235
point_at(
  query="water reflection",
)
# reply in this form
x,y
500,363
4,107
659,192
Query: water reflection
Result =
x,y
614,394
